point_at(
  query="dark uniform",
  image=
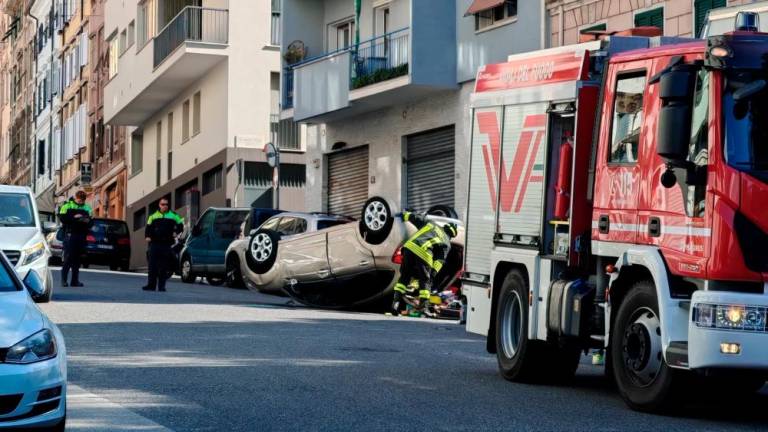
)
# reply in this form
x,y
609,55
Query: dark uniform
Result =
x,y
423,257
161,230
76,221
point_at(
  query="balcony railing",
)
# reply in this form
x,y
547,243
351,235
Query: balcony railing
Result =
x,y
193,23
375,60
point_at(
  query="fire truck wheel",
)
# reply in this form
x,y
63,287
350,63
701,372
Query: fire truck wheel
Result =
x,y
519,359
644,380
262,251
376,220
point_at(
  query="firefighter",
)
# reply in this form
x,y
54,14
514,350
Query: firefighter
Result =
x,y
423,256
75,216
162,228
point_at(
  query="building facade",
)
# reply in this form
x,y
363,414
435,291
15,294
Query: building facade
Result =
x,y
683,18
388,111
109,174
75,145
198,83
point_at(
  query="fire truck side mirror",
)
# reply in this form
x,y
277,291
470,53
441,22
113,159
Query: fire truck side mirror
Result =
x,y
674,133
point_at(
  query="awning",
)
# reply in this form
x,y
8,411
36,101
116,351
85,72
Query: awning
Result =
x,y
481,5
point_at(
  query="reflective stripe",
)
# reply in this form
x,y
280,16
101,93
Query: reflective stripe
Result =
x,y
424,294
400,288
437,265
419,252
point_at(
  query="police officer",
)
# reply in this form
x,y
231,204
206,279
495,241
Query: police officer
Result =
x,y
75,216
162,227
423,257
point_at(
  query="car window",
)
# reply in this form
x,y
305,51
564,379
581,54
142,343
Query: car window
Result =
x,y
300,226
60,235
323,224
271,224
227,224
206,222
287,226
6,281
109,227
16,210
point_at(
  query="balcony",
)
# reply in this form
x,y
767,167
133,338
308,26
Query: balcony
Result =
x,y
192,43
382,70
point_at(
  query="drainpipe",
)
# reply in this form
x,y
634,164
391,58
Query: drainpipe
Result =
x,y
33,157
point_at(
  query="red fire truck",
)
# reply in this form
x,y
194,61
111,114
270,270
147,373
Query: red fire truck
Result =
x,y
618,193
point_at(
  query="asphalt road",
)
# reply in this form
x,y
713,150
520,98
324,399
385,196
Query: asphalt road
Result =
x,y
202,358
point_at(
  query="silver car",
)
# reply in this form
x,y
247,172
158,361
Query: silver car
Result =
x,y
342,266
287,225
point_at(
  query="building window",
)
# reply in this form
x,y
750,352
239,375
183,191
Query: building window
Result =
x,y
701,9
139,219
496,15
275,33
627,119
196,114
40,157
185,121
146,17
651,18
137,153
181,193
131,34
123,41
113,55
212,180
341,35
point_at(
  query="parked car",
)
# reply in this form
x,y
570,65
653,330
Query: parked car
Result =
x,y
204,251
351,264
108,243
22,235
242,269
33,359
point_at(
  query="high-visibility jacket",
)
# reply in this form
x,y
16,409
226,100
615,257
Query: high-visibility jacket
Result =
x,y
161,227
73,225
430,243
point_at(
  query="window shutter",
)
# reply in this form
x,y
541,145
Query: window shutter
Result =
x,y
84,49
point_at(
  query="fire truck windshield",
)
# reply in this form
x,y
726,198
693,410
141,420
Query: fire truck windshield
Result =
x,y
746,125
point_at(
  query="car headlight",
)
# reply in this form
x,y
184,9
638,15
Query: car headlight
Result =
x,y
38,347
731,317
33,253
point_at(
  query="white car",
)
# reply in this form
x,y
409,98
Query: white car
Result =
x,y
33,359
22,235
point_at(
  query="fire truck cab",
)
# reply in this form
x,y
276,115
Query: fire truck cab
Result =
x,y
617,200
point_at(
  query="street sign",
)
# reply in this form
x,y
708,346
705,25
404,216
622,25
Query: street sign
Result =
x,y
271,153
86,173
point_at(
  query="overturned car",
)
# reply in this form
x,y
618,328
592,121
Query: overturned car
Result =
x,y
354,264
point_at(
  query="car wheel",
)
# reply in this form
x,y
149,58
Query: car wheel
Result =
x,y
46,298
444,211
187,276
519,358
234,278
262,251
215,280
644,380
376,220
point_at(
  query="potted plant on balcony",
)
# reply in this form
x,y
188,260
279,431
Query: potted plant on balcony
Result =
x,y
295,52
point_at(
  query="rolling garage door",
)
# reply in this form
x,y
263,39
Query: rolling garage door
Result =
x,y
430,173
348,181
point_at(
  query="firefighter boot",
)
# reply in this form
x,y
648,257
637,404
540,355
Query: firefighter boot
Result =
x,y
397,303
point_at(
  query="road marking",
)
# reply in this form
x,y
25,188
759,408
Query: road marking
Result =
x,y
89,412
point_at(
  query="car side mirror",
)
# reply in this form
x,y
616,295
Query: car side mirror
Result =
x,y
49,227
34,284
674,133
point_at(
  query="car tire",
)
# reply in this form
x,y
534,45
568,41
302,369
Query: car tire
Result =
x,y
519,359
376,220
46,298
643,379
234,276
215,280
187,275
443,211
262,251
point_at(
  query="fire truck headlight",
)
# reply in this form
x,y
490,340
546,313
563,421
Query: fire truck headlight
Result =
x,y
731,317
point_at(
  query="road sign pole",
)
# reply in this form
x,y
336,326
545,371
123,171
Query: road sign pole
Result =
x,y
276,179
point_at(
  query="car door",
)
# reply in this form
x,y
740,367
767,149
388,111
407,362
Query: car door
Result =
x,y
347,257
199,241
303,254
226,227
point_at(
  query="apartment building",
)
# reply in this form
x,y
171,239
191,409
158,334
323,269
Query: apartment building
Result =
x,y
674,17
388,112
5,95
109,174
46,102
198,81
19,37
